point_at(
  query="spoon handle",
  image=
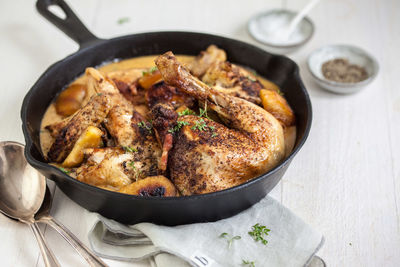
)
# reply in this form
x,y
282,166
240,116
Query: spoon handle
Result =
x,y
48,256
301,15
89,256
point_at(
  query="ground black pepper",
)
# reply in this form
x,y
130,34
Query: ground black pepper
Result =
x,y
340,70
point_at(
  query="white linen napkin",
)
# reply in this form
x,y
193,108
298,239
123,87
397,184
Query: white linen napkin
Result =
x,y
291,242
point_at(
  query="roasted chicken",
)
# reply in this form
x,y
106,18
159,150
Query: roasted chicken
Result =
x,y
208,156
212,55
172,130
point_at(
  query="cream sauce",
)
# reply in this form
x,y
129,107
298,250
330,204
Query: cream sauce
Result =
x,y
144,62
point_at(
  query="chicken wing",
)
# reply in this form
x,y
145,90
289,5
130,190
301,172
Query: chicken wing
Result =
x,y
233,80
205,60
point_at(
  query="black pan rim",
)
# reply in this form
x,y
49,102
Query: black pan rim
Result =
x,y
45,166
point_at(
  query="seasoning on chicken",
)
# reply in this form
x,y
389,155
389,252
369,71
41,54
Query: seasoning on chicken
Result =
x,y
208,156
168,130
233,80
206,59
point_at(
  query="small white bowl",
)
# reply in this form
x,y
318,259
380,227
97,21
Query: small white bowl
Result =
x,y
354,55
257,28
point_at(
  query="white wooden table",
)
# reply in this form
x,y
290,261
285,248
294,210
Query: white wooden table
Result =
x,y
345,182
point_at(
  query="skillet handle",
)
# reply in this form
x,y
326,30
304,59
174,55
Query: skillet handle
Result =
x,y
71,25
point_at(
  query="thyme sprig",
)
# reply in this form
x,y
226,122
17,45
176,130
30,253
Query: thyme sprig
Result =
x,y
130,149
144,125
186,112
258,232
150,71
200,125
248,263
229,238
123,20
178,126
135,170
64,170
203,113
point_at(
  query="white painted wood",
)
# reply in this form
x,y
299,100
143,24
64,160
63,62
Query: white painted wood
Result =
x,y
344,182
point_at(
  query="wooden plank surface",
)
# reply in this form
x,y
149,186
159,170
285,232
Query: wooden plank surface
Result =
x,y
344,182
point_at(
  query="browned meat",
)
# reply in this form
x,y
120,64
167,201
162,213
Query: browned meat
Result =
x,y
233,80
206,59
162,93
164,122
114,167
208,156
126,80
92,114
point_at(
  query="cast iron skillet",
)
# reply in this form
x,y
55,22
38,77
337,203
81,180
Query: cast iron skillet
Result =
x,y
94,51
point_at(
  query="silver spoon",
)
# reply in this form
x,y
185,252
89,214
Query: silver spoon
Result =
x,y
22,190
20,186
285,32
43,216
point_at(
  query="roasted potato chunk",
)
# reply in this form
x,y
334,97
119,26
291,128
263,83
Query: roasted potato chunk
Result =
x,y
90,138
275,104
149,79
156,186
269,85
70,100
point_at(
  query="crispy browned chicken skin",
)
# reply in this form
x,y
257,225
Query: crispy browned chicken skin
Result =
x,y
208,156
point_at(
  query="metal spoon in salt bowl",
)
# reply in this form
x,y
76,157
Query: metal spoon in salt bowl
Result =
x,y
282,30
23,192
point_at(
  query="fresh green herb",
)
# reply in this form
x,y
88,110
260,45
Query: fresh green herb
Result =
x,y
99,94
130,149
229,239
258,231
123,20
146,126
178,126
254,72
203,113
64,170
223,234
200,125
186,112
248,263
136,171
150,71
279,92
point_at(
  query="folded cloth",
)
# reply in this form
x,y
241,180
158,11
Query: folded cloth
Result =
x,y
291,242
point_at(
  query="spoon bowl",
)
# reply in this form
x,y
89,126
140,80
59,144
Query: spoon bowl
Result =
x,y
25,196
22,188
